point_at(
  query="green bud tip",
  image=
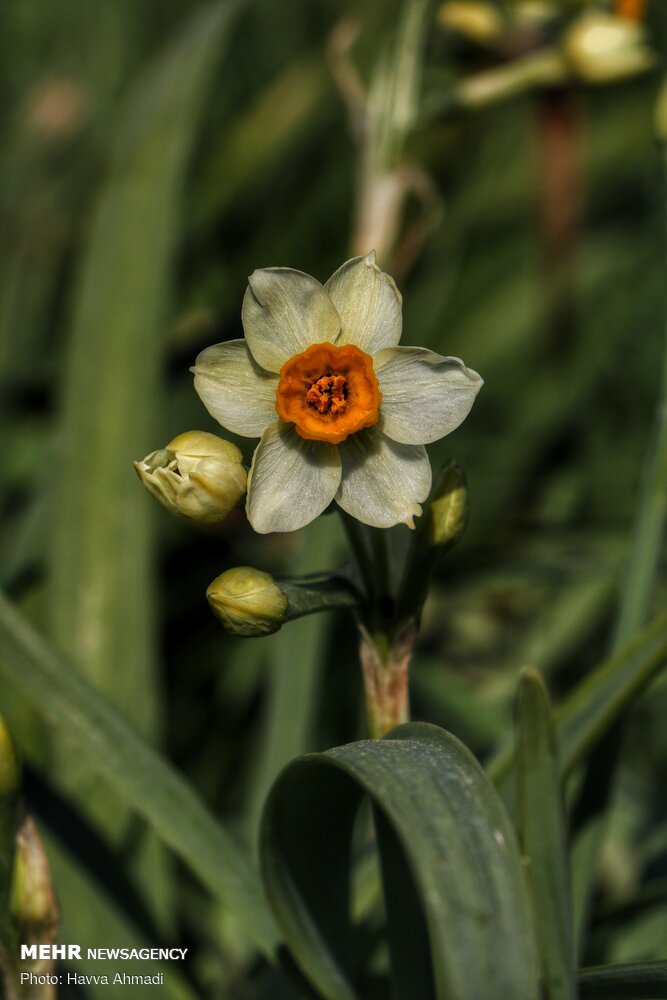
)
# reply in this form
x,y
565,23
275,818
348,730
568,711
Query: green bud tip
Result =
x,y
10,768
198,475
448,511
248,602
33,903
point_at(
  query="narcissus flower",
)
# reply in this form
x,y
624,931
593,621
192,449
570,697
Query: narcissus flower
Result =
x,y
343,412
604,47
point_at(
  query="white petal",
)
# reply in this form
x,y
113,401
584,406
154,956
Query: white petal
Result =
x,y
284,312
291,481
234,389
424,396
369,305
383,482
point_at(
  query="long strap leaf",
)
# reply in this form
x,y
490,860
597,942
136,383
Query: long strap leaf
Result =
x,y
146,782
543,837
644,981
598,701
100,597
451,869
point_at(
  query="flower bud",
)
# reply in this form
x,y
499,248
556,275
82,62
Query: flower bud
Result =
x,y
10,768
10,788
448,510
248,602
474,19
602,47
33,905
198,475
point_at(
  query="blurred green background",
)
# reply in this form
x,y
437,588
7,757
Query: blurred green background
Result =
x,y
154,154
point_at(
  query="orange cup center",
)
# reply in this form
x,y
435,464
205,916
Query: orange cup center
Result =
x,y
328,392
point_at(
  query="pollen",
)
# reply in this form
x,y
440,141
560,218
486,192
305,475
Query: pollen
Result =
x,y
328,392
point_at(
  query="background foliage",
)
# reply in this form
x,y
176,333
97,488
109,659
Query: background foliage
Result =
x,y
153,156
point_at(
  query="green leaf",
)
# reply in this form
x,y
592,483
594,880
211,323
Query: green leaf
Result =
x,y
457,904
599,700
644,981
97,917
543,837
69,703
101,602
296,659
605,694
101,598
261,133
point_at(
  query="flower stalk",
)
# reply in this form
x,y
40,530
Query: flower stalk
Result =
x,y
385,668
388,618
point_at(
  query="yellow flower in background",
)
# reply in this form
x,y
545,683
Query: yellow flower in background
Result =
x,y
603,47
343,412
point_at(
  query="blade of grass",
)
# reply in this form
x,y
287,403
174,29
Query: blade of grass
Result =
x,y
260,135
645,981
101,593
101,599
96,918
140,777
639,582
594,705
296,661
543,837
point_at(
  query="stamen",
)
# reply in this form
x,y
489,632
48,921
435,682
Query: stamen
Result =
x,y
328,394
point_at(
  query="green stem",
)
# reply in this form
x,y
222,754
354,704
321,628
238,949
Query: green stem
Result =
x,y
416,579
323,595
386,642
358,544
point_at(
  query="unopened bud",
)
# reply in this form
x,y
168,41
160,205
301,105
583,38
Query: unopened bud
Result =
x,y
248,602
448,510
10,787
603,47
198,475
33,903
474,19
10,768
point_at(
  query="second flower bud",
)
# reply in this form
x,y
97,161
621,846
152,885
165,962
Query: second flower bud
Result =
x,y
198,475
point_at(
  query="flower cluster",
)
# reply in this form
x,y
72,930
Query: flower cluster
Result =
x,y
342,412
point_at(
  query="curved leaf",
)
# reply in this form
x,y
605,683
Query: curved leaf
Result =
x,y
457,906
644,981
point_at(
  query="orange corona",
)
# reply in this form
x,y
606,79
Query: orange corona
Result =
x,y
632,10
328,392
